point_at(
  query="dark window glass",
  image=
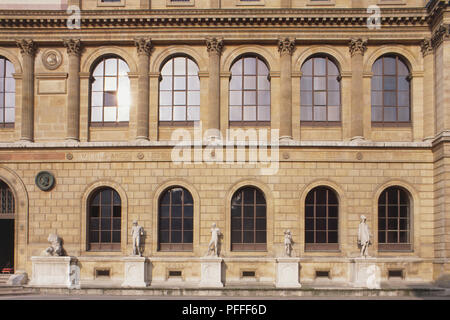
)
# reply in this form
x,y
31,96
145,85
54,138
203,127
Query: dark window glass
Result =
x,y
104,221
394,219
249,95
6,200
320,91
175,223
390,91
321,219
248,220
7,93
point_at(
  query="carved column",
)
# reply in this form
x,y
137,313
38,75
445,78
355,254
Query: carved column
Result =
x,y
144,49
28,50
73,89
286,47
214,47
428,90
357,49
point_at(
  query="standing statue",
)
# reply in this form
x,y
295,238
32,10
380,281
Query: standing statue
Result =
x,y
364,236
56,248
213,244
288,242
137,232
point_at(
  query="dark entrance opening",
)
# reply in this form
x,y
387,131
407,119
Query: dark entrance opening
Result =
x,y
7,246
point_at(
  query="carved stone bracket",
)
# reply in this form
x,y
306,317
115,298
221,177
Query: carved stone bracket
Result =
x,y
357,46
27,47
214,45
73,46
442,33
143,46
426,47
286,46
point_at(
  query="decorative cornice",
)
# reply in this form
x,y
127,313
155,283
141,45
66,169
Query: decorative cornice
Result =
x,y
357,46
73,46
27,47
426,47
440,34
144,46
286,46
214,45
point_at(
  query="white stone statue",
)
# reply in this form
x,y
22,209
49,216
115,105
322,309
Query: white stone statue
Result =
x,y
137,232
288,242
364,236
213,244
56,248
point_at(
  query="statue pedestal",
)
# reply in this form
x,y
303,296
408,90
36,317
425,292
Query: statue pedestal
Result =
x,y
211,275
135,272
365,273
52,271
287,273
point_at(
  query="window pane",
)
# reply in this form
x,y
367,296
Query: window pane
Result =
x,y
179,113
193,114
110,99
333,114
110,114
180,66
98,71
264,113
165,98
334,98
97,85
236,69
179,83
188,211
260,224
321,237
177,195
306,83
10,85
377,67
333,84
320,83
176,236
105,236
333,211
262,69
165,113
188,237
377,113
10,100
111,67
306,113
249,236
307,68
263,83
377,82
123,68
390,83
250,82
94,237
249,113
250,66
377,98
320,113
179,98
403,98
320,98
332,68
249,224
9,115
193,83
249,98
235,98
403,83
96,113
164,237
192,68
309,237
176,224
260,237
403,114
167,69
390,114
321,211
235,113
332,237
389,65
123,114
321,224
236,83
166,83
193,98
306,98
402,69
319,66
110,83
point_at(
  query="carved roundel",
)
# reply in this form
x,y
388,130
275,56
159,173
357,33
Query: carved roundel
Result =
x,y
45,180
51,59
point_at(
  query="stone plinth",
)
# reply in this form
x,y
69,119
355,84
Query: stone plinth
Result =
x,y
211,275
135,273
365,273
287,273
52,271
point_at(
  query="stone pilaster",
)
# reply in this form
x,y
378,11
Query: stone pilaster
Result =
x,y
28,50
73,89
428,90
357,49
144,49
286,47
214,47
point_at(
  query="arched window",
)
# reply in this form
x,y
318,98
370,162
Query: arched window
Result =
x,y
390,91
104,221
248,220
320,92
394,220
176,220
6,200
249,92
321,219
7,94
179,92
110,93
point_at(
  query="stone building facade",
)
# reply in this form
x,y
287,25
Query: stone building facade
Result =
x,y
357,117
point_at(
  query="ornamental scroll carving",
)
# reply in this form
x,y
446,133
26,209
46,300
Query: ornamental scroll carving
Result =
x,y
357,46
286,46
426,47
214,45
144,46
27,47
73,46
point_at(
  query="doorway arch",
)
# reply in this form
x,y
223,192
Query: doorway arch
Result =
x,y
7,217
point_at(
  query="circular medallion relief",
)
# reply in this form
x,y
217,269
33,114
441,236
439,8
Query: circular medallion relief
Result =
x,y
45,180
51,59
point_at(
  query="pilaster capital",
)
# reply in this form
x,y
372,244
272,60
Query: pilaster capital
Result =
x,y
27,47
73,46
214,45
286,46
357,46
426,47
440,35
144,46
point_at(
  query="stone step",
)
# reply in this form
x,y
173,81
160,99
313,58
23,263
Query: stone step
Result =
x,y
4,277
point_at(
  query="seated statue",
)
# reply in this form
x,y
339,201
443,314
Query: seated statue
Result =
x,y
56,248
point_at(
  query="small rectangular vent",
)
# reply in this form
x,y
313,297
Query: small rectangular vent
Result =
x,y
248,274
323,274
396,274
175,273
102,273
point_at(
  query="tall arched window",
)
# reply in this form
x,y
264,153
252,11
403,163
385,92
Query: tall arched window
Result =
x,y
320,92
7,94
248,220
249,99
390,91
110,93
104,221
176,220
394,219
321,219
179,92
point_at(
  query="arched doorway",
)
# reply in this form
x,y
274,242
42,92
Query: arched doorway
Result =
x,y
7,209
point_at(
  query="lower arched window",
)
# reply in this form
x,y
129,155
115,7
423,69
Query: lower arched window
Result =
x,y
321,219
6,200
394,220
176,220
104,221
248,220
